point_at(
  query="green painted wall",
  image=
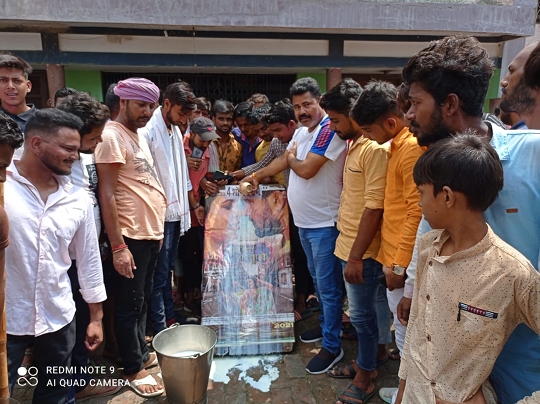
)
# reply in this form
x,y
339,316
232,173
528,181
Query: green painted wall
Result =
x,y
85,80
493,90
320,77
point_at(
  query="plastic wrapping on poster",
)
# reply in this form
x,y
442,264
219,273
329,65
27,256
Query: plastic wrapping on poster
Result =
x,y
247,273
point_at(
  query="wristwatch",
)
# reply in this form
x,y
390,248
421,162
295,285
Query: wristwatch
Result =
x,y
398,269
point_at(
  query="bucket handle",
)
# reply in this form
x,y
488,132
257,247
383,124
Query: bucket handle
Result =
x,y
173,326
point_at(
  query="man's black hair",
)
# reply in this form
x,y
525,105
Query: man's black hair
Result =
x,y
259,98
452,65
10,61
378,99
180,93
342,97
88,109
222,107
10,132
304,85
531,71
112,101
243,110
64,92
259,114
47,122
282,112
203,104
465,163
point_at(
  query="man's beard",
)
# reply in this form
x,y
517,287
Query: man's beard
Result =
x,y
436,130
520,100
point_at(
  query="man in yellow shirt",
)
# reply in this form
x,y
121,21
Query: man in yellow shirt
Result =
x,y
381,120
357,246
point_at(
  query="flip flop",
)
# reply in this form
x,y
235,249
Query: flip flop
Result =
x,y
358,395
313,303
149,380
339,371
392,353
307,313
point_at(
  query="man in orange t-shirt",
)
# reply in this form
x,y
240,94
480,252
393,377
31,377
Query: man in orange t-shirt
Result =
x,y
133,208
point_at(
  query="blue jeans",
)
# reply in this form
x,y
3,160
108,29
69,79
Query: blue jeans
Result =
x,y
324,267
161,303
369,313
51,349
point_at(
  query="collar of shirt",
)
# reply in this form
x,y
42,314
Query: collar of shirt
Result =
x,y
479,248
400,138
64,181
358,142
499,141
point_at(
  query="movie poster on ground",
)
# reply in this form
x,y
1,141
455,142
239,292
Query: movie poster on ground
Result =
x,y
247,273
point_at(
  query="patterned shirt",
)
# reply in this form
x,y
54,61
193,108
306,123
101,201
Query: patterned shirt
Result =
x,y
275,150
230,156
465,306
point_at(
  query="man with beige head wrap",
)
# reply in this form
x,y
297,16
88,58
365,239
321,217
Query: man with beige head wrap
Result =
x,y
133,208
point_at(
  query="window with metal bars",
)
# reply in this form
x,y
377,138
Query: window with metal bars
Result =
x,y
230,87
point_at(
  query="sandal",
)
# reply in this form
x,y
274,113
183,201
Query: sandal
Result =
x,y
394,354
149,380
313,303
354,393
343,371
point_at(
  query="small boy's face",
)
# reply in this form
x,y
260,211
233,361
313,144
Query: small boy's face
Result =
x,y
433,207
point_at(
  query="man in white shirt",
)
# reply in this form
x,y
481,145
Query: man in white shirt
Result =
x,y
94,116
164,139
49,218
316,158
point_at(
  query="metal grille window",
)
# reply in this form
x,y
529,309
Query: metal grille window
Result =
x,y
230,87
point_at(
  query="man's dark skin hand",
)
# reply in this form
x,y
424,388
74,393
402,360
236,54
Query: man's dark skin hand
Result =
x,y
403,310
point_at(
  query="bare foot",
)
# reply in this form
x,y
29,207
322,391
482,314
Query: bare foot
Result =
x,y
151,359
144,388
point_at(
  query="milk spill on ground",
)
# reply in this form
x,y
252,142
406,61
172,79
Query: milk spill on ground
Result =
x,y
222,367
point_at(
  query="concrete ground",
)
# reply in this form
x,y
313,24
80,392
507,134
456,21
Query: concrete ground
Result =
x,y
291,383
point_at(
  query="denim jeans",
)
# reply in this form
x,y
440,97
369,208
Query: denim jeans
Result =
x,y
51,349
369,313
161,303
132,298
324,267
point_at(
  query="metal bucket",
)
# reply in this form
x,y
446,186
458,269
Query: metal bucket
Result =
x,y
185,354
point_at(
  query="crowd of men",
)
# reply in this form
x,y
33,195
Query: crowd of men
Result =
x,y
408,200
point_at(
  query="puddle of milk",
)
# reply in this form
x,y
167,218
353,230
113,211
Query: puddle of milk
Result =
x,y
221,367
186,354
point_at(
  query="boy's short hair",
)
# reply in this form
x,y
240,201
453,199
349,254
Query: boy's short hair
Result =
x,y
88,109
259,98
203,104
342,97
259,114
10,132
378,99
243,110
282,112
9,61
180,93
465,163
222,107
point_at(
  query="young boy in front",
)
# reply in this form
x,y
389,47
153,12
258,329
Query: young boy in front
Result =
x,y
472,289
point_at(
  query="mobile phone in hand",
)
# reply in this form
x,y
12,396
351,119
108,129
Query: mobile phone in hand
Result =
x,y
197,153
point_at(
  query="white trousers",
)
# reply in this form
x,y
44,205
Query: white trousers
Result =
x,y
394,297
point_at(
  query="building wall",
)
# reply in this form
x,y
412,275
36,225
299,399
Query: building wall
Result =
x,y
85,80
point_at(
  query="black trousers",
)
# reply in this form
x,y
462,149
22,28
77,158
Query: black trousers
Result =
x,y
132,299
303,279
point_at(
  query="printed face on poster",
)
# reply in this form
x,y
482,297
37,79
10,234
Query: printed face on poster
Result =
x,y
247,272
